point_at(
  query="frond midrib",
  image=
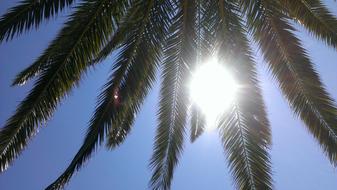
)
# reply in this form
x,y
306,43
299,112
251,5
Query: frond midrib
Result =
x,y
238,115
178,67
245,151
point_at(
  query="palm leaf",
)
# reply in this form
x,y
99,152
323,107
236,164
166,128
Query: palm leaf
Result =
x,y
76,45
205,40
315,17
146,60
83,26
298,80
179,55
124,93
246,152
29,14
244,131
144,71
109,113
197,123
153,32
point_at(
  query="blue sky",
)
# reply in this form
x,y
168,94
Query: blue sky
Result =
x,y
298,162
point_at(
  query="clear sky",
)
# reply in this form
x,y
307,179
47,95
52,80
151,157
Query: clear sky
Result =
x,y
298,162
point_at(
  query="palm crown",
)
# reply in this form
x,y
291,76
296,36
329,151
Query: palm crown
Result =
x,y
174,36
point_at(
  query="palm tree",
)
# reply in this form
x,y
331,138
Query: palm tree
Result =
x,y
172,35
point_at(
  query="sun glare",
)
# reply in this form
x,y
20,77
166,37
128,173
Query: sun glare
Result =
x,y
212,89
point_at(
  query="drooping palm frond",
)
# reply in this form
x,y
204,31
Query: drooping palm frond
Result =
x,y
298,80
244,131
145,64
205,49
94,28
179,56
29,14
68,55
145,75
109,113
177,35
315,17
247,154
128,86
197,123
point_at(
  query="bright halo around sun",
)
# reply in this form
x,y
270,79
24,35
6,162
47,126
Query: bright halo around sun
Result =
x,y
213,90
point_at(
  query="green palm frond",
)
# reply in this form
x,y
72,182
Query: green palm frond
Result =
x,y
298,80
129,84
244,131
315,17
179,56
29,14
143,69
109,117
83,31
68,58
247,153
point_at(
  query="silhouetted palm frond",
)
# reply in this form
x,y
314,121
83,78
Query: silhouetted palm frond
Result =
x,y
175,36
245,129
64,61
29,14
298,80
179,56
315,17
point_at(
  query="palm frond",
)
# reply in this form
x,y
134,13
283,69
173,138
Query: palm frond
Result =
x,y
298,80
77,44
109,113
315,17
197,123
179,56
145,63
81,27
244,131
29,14
143,69
205,49
128,86
246,151
178,36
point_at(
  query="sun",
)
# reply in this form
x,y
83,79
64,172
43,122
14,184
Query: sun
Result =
x,y
213,90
